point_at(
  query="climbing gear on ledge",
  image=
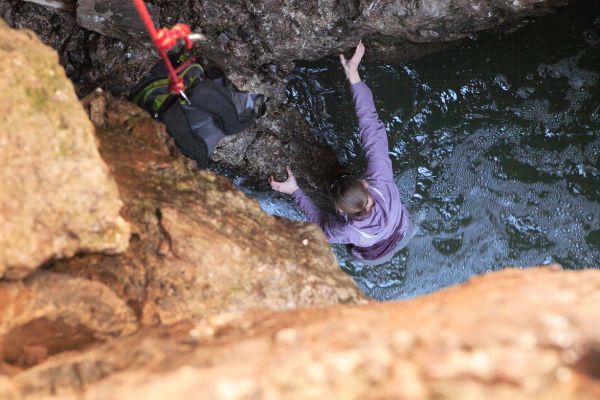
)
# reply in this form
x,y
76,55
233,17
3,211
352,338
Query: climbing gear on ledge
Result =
x,y
154,94
213,107
198,111
164,39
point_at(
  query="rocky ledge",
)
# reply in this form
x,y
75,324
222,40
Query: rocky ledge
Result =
x,y
514,334
101,43
56,194
202,292
192,245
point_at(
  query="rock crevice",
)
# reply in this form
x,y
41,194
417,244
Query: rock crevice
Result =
x,y
198,246
257,43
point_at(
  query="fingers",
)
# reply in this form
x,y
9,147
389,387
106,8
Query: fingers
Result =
x,y
280,186
274,184
358,54
342,59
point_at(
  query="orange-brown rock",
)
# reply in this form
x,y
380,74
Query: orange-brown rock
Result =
x,y
199,246
514,334
56,196
49,313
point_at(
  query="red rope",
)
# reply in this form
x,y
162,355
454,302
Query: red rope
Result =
x,y
164,39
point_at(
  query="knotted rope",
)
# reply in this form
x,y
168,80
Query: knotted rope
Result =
x,y
164,39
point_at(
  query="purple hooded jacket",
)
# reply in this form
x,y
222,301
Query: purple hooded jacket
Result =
x,y
378,233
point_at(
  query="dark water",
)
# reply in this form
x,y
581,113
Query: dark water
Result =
x,y
495,147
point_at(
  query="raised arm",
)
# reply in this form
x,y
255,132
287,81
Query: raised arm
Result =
x,y
373,135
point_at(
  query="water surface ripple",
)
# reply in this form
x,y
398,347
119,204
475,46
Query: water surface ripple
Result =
x,y
495,147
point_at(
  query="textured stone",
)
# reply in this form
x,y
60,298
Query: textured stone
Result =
x,y
115,18
280,31
280,139
7,389
56,195
199,246
514,334
257,42
59,4
50,313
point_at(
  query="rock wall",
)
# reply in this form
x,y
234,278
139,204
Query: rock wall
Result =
x,y
262,38
56,196
514,334
213,296
257,43
50,313
193,245
199,246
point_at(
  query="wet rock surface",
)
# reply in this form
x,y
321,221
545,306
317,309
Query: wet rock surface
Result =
x,y
263,38
514,334
56,196
257,43
117,19
278,140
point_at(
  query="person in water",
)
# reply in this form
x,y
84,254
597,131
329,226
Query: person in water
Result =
x,y
372,220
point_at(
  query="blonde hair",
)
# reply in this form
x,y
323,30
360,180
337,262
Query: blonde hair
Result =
x,y
349,195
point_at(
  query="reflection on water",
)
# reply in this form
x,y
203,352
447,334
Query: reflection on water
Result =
x,y
495,147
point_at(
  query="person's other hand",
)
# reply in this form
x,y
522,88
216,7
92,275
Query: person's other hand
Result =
x,y
288,186
351,66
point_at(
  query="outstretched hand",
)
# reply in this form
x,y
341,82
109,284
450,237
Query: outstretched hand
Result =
x,y
288,186
351,66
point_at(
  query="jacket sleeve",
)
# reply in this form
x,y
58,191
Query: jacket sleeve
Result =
x,y
336,230
373,135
